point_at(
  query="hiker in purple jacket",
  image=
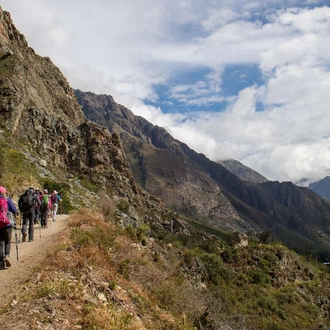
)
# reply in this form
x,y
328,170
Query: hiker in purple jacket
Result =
x,y
6,228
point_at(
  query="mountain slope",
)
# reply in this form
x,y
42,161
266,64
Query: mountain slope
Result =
x,y
192,184
242,171
321,187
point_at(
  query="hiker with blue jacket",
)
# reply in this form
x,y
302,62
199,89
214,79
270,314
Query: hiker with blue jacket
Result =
x,y
27,204
6,205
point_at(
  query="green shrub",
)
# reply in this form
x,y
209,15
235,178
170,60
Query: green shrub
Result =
x,y
215,269
81,237
258,276
95,187
123,206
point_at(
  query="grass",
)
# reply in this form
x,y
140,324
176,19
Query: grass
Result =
x,y
161,285
24,171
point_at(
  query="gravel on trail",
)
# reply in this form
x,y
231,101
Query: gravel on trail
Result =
x,y
30,254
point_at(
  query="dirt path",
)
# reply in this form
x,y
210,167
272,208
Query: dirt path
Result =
x,y
30,254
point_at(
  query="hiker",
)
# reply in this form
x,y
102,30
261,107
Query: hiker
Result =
x,y
37,213
6,225
55,199
44,208
27,204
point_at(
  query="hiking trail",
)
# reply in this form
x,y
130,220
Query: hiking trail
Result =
x,y
30,255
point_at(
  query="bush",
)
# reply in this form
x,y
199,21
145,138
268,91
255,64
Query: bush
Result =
x,y
215,269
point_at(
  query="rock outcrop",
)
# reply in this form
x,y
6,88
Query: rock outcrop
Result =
x,y
38,105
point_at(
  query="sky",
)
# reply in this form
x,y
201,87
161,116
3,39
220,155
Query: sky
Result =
x,y
248,80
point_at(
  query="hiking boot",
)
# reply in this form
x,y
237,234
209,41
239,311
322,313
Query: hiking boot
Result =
x,y
24,237
7,261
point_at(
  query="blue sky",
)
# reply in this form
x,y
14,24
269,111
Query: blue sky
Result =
x,y
239,79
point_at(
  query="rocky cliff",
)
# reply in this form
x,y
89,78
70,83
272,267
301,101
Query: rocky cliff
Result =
x,y
40,113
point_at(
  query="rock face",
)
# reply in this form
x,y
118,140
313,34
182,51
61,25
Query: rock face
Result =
x,y
38,105
205,190
39,109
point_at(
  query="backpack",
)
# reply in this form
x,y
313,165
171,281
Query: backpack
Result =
x,y
27,201
3,212
53,199
45,200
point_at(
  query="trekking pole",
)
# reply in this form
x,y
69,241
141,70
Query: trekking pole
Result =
x,y
16,242
2,259
21,225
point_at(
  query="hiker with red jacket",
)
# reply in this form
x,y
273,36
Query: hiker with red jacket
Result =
x,y
6,205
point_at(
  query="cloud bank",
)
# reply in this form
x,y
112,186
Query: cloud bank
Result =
x,y
232,79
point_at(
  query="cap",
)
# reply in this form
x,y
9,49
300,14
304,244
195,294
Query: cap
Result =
x,y
2,189
54,192
45,191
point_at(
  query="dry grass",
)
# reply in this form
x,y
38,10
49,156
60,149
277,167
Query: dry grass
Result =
x,y
112,281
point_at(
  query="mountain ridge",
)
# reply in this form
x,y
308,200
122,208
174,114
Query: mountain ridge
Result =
x,y
288,211
242,171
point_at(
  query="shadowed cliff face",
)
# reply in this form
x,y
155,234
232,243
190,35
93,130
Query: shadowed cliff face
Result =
x,y
196,186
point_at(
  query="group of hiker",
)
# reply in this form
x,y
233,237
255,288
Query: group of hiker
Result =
x,y
35,206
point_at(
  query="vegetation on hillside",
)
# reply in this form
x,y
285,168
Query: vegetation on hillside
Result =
x,y
121,278
20,170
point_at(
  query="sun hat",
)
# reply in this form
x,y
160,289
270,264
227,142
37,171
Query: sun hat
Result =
x,y
2,189
54,192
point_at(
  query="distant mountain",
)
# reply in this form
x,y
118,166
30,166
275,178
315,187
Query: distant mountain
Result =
x,y
321,187
193,185
242,171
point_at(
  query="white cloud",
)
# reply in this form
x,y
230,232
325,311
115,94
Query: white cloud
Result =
x,y
125,48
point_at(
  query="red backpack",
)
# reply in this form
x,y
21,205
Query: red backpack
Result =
x,y
4,220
